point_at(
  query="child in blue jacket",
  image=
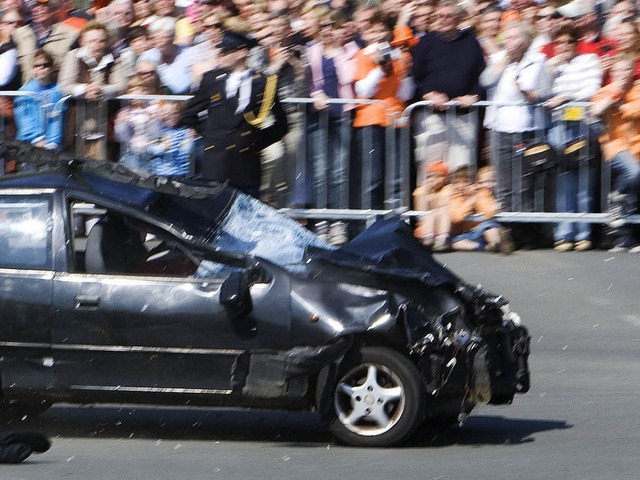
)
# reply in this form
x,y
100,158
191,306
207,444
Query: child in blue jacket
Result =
x,y
39,115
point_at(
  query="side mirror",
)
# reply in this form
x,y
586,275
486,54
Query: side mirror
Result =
x,y
235,295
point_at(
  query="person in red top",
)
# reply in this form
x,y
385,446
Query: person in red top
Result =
x,y
380,75
585,21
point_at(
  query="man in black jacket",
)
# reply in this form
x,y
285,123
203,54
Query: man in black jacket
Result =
x,y
447,63
239,105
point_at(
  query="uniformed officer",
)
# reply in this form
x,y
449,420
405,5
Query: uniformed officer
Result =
x,y
238,103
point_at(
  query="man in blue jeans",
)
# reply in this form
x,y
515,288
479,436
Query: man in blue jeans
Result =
x,y
516,82
576,79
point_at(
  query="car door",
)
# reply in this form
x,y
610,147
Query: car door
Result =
x,y
26,282
134,333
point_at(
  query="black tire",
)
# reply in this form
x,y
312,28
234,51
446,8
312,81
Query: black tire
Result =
x,y
378,400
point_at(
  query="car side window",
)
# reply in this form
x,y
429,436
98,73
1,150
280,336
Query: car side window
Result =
x,y
25,233
108,242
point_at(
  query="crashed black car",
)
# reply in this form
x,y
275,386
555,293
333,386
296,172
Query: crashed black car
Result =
x,y
118,288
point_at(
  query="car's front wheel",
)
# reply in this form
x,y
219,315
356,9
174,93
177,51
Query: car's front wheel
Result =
x,y
378,399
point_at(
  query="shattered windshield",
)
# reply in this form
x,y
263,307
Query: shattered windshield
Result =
x,y
256,229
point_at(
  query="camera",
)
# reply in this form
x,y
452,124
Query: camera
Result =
x,y
385,54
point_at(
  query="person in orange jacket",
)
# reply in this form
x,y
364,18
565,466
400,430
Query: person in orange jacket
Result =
x,y
433,226
468,199
381,74
618,104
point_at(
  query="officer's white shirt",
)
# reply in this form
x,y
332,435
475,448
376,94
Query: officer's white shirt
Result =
x,y
239,82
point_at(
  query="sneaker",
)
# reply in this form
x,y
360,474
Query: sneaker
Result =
x,y
635,249
442,244
583,246
428,241
617,212
618,249
506,245
338,233
492,247
322,230
563,246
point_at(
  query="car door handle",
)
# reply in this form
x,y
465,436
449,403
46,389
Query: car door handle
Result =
x,y
87,302
209,286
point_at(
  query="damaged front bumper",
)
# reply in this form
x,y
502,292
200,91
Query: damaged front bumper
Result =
x,y
476,353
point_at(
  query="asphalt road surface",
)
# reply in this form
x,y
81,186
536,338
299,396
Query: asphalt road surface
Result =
x,y
579,421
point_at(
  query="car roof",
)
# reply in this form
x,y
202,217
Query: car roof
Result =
x,y
196,207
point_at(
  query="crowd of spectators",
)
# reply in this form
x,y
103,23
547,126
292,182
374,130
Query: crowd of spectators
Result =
x,y
450,54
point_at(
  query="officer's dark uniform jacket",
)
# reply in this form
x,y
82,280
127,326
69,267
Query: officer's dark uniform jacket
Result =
x,y
233,141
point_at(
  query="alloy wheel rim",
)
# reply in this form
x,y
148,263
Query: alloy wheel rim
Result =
x,y
370,399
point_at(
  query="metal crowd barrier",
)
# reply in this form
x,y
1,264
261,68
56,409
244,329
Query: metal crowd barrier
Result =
x,y
312,175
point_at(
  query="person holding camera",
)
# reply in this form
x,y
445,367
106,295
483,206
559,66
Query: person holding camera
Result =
x,y
381,75
286,60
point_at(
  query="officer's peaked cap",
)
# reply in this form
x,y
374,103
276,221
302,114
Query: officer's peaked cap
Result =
x,y
234,40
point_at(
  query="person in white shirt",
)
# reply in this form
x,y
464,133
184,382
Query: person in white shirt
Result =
x,y
515,82
576,79
90,74
173,60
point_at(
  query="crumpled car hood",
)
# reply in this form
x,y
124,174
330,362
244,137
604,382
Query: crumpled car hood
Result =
x,y
388,248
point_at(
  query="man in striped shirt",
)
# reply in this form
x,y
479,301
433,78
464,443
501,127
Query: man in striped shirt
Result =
x,y
576,79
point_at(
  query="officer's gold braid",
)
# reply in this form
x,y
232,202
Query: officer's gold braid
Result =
x,y
267,103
